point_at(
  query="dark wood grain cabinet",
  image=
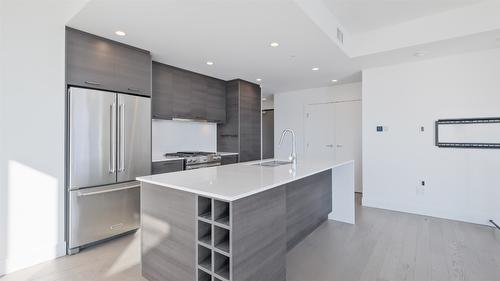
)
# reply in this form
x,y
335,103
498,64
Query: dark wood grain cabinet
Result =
x,y
178,93
169,166
100,63
229,159
241,133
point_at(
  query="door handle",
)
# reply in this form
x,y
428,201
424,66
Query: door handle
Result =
x,y
82,193
121,167
112,139
93,83
134,89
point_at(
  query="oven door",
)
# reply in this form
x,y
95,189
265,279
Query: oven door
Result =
x,y
202,165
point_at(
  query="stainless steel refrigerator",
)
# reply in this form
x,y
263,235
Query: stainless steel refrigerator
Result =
x,y
109,146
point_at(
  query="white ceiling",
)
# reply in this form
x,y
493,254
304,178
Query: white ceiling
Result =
x,y
234,34
366,15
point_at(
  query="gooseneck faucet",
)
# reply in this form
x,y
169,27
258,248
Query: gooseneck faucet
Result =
x,y
293,154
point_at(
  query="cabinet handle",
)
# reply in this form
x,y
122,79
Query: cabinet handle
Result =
x,y
134,89
92,83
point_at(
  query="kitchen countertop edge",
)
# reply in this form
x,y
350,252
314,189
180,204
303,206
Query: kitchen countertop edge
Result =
x,y
245,194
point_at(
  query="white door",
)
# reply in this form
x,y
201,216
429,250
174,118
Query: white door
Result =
x,y
320,131
348,136
333,131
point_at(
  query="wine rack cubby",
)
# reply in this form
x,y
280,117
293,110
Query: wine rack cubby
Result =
x,y
213,231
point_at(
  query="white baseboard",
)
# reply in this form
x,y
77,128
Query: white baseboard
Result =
x,y
17,261
469,217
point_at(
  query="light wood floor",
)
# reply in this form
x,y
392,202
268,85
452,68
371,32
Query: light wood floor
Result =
x,y
382,246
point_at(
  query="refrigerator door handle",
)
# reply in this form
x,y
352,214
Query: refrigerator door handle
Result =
x,y
112,141
121,167
82,193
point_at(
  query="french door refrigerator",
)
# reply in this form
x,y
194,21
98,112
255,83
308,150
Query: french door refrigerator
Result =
x,y
109,146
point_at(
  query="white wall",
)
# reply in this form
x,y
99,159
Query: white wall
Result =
x,y
174,136
32,130
461,184
289,111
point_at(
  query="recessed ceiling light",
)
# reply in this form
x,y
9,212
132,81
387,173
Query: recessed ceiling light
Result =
x,y
264,99
335,80
120,33
315,68
419,54
274,44
258,79
210,62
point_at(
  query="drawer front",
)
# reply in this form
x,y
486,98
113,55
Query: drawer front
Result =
x,y
229,159
102,212
168,166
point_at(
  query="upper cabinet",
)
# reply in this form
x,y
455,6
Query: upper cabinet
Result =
x,y
179,93
96,62
242,130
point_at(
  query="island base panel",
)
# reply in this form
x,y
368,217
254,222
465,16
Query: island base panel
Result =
x,y
308,203
168,234
259,236
193,237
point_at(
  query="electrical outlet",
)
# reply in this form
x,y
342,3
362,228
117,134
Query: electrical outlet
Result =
x,y
420,190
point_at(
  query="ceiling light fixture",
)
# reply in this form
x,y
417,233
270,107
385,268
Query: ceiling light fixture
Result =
x,y
335,80
274,44
264,99
315,68
258,79
210,63
120,33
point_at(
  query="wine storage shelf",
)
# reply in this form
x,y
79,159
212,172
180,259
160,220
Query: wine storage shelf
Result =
x,y
213,230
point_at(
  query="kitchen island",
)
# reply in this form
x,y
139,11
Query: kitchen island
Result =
x,y
237,222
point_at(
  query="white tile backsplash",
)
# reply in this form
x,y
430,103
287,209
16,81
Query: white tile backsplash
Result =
x,y
173,136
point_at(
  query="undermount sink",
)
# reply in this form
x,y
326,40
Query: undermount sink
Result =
x,y
273,163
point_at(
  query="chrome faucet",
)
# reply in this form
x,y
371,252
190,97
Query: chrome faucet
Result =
x,y
293,154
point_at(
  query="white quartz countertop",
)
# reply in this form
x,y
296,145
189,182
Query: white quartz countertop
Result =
x,y
236,181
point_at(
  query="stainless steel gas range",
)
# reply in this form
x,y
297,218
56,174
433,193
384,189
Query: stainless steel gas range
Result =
x,y
197,159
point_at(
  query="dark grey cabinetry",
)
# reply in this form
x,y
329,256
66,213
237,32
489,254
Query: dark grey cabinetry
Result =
x,y
229,159
242,131
99,63
169,166
268,134
179,93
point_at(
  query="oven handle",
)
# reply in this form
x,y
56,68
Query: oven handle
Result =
x,y
204,165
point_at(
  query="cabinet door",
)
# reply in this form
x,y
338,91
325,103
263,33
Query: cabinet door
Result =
x,y
168,166
229,159
215,100
132,69
198,96
163,91
250,122
89,60
181,94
